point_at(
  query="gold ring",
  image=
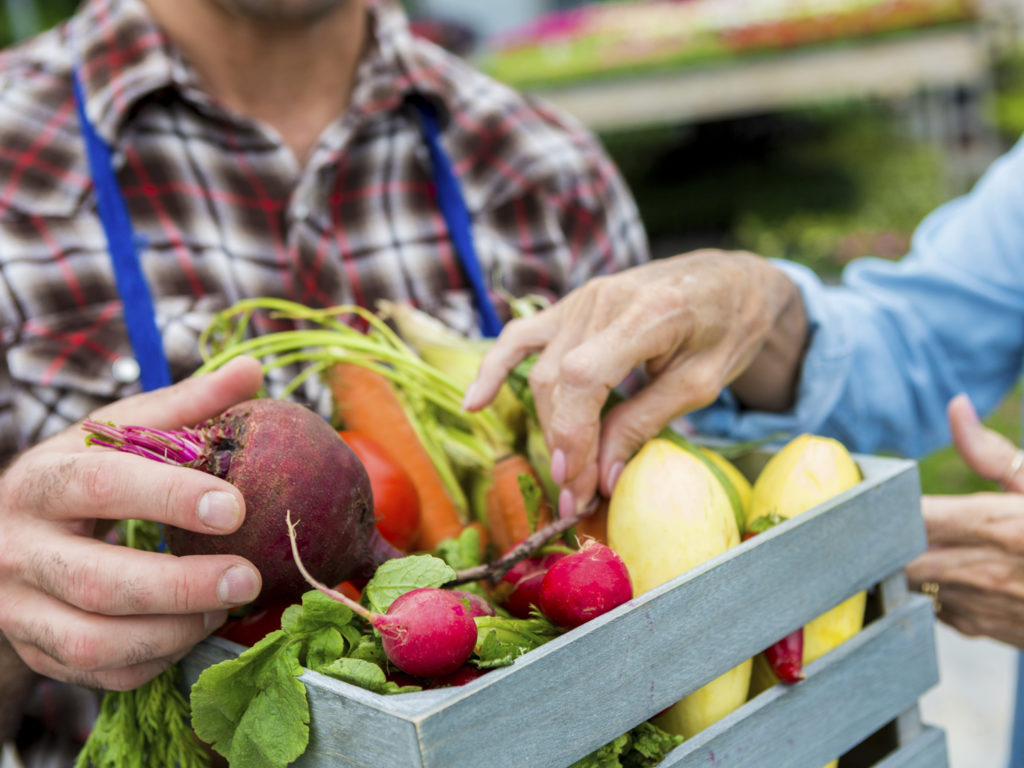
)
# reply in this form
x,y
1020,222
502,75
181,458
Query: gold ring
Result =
x,y
1013,469
931,588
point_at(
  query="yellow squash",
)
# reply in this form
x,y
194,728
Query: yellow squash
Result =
x,y
739,481
807,471
668,514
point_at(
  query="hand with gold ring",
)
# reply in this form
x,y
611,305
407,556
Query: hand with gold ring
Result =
x,y
931,589
976,541
1009,477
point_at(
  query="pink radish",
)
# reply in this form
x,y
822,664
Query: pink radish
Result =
x,y
477,604
518,592
584,584
427,632
281,456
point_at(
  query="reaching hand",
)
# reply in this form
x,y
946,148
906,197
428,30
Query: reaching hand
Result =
x,y
976,541
81,610
695,321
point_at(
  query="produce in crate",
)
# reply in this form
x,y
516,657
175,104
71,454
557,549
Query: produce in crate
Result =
x,y
584,585
736,478
365,402
276,453
518,592
807,471
396,502
669,513
507,502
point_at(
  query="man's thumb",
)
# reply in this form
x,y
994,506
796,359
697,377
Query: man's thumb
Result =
x,y
985,451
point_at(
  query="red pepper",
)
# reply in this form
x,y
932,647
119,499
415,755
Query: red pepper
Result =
x,y
785,657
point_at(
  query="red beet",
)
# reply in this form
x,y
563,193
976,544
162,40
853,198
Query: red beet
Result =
x,y
281,456
518,592
583,585
427,632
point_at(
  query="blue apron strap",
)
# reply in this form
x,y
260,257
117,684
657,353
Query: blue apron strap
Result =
x,y
456,217
139,315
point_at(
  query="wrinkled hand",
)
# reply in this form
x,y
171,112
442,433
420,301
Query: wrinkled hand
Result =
x,y
695,321
976,541
78,609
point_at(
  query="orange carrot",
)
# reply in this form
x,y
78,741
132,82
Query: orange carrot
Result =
x,y
485,536
507,519
364,401
595,525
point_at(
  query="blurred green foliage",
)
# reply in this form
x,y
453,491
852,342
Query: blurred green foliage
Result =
x,y
819,186
24,15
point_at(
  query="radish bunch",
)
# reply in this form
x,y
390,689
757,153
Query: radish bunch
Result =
x,y
567,588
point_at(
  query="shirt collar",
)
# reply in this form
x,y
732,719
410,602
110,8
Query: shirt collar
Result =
x,y
124,56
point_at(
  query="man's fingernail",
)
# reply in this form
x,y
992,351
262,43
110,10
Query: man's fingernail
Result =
x,y
558,466
613,474
214,620
219,510
239,585
566,503
469,398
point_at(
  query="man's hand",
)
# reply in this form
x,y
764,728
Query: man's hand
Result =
x,y
976,541
697,322
81,610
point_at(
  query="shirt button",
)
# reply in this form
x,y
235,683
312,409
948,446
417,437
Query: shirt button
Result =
x,y
126,370
301,212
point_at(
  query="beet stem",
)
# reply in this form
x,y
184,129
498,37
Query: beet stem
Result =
x,y
181,447
494,570
319,585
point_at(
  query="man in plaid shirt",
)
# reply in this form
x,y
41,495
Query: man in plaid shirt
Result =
x,y
264,148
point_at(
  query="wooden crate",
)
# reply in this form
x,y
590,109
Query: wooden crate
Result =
x,y
581,690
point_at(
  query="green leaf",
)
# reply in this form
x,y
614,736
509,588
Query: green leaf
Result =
x,y
462,551
765,522
606,756
253,709
502,640
649,746
401,575
324,646
642,747
532,499
274,729
365,675
369,648
316,611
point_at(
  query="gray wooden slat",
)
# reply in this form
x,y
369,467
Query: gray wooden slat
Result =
x,y
622,668
926,751
848,695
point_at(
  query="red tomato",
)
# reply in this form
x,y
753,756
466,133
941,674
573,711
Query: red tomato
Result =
x,y
254,626
395,500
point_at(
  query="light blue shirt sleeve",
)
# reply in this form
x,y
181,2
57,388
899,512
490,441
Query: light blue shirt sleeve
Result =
x,y
895,341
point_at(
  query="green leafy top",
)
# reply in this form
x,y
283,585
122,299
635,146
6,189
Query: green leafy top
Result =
x,y
253,709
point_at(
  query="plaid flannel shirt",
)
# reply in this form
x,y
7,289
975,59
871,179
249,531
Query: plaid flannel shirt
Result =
x,y
223,211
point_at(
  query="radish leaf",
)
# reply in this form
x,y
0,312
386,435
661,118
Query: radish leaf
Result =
x,y
404,574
